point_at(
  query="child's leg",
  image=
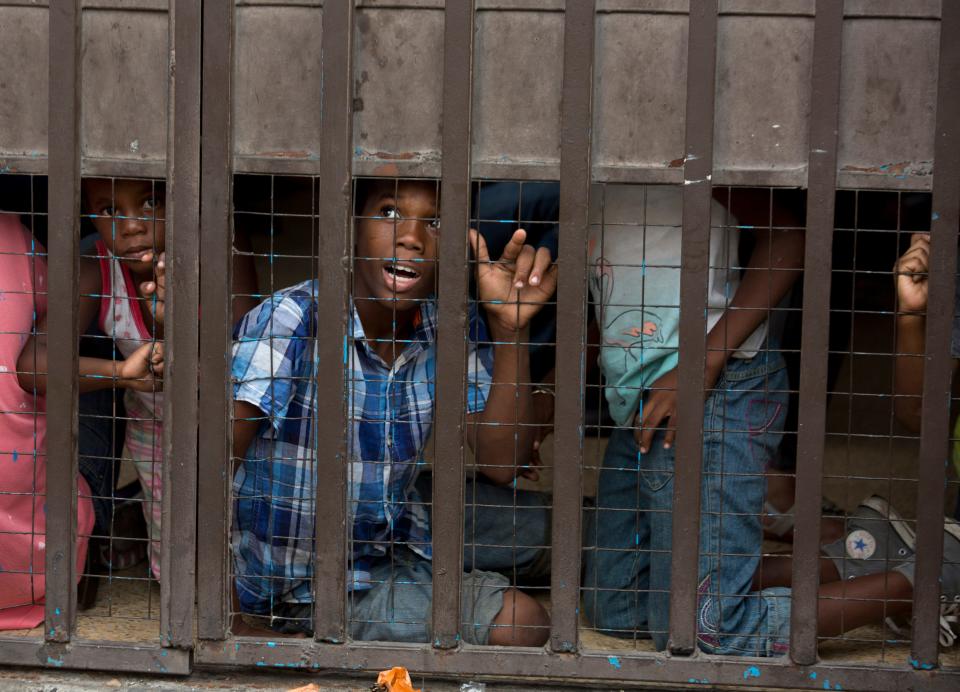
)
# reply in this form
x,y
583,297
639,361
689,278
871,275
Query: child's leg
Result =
x,y
399,606
617,538
742,427
95,455
506,530
144,444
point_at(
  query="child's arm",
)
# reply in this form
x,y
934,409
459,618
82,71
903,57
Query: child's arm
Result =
x,y
910,276
246,421
512,290
244,277
773,267
141,371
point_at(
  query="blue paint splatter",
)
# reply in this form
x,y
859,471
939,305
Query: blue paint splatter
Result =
x,y
813,675
260,664
837,687
163,652
56,611
826,684
935,216
58,662
751,672
272,645
920,666
15,456
614,661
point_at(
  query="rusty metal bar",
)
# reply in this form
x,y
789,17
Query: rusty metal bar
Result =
x,y
447,516
811,429
577,118
63,271
180,414
935,431
329,567
213,483
613,667
695,251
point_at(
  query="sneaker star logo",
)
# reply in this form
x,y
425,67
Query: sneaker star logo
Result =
x,y
861,545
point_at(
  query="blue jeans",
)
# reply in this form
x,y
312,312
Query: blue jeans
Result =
x,y
628,536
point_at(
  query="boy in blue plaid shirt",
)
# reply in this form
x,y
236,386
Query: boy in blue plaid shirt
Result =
x,y
391,366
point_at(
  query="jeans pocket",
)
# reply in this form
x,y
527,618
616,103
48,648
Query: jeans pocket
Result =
x,y
656,479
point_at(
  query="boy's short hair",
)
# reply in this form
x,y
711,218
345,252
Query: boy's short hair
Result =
x,y
363,188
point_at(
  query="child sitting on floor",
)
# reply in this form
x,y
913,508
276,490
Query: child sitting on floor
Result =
x,y
391,361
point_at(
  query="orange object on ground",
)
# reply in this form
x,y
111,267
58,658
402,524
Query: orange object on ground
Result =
x,y
396,680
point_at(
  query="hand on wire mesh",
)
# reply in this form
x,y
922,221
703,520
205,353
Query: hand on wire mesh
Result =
x,y
911,273
515,287
143,370
156,291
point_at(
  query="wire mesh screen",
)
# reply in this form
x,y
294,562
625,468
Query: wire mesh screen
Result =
x,y
119,483
390,368
751,386
274,250
121,402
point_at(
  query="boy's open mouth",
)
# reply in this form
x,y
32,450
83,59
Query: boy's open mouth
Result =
x,y
400,277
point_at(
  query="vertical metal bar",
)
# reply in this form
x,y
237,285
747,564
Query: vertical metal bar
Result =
x,y
447,518
937,373
180,414
576,129
329,585
811,426
63,264
695,252
216,281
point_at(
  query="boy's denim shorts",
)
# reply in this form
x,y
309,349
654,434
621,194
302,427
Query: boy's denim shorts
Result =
x,y
398,607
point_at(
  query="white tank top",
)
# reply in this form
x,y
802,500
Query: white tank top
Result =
x,y
121,317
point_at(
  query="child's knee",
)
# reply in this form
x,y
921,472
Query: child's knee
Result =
x,y
522,621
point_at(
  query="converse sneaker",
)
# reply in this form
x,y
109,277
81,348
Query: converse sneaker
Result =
x,y
950,583
859,554
877,540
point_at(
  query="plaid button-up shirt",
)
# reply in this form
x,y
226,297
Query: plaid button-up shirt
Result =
x,y
391,415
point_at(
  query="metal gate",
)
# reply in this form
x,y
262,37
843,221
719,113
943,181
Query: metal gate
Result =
x,y
820,94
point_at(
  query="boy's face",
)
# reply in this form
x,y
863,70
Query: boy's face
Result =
x,y
128,215
396,248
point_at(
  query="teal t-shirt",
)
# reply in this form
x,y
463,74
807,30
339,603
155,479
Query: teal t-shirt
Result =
x,y
634,255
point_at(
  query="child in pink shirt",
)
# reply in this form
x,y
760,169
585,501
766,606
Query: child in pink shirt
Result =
x,y
23,427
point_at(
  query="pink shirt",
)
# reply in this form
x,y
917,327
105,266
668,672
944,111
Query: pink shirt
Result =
x,y
23,430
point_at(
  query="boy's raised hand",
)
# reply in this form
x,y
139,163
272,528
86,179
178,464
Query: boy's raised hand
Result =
x,y
515,287
910,274
156,291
